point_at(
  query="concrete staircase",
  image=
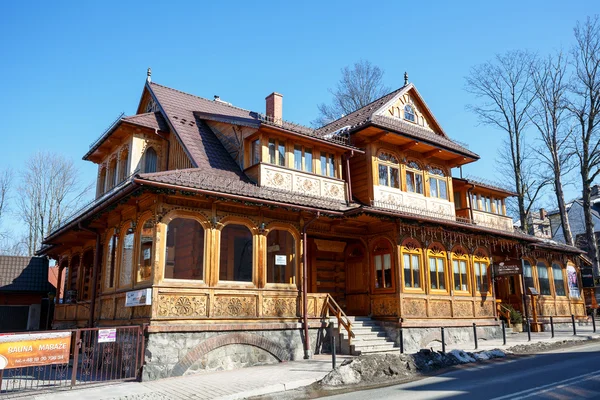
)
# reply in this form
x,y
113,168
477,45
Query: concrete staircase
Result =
x,y
369,338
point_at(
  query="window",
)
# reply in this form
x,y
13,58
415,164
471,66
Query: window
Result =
x,y
411,258
382,261
150,160
527,275
414,178
74,270
281,257
111,261
184,258
277,152
123,166
474,202
389,174
409,113
458,201
481,276
87,265
459,269
235,254
112,174
543,279
437,184
126,265
437,274
102,181
256,150
487,204
327,165
303,158
145,260
498,206
559,280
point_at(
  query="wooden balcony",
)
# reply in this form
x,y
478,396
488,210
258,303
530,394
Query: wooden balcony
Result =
x,y
494,221
413,203
302,182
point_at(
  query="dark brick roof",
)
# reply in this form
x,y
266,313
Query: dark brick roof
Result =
x,y
239,185
152,120
24,274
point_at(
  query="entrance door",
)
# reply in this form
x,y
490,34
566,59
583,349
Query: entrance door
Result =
x,y
357,279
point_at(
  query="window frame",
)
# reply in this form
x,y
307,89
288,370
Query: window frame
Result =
x,y
564,281
303,164
459,254
138,240
255,152
532,277
541,263
275,226
207,246
330,164
157,169
408,169
110,261
409,110
389,165
388,248
437,178
412,247
122,233
437,252
481,257
276,156
254,232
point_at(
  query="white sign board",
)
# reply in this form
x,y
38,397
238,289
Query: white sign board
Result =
x,y
142,297
280,259
573,282
107,335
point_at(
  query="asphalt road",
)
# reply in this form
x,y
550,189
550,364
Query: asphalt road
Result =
x,y
569,373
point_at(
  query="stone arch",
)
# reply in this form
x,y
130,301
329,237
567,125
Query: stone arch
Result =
x,y
215,342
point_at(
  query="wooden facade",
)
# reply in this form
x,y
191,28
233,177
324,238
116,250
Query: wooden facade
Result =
x,y
384,228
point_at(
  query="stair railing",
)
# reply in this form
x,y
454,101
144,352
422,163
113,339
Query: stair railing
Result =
x,y
342,318
503,311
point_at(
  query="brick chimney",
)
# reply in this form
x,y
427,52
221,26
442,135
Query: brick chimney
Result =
x,y
275,107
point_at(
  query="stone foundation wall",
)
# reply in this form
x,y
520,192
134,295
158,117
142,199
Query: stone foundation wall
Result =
x,y
415,339
183,353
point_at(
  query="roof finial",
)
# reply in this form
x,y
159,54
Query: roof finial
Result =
x,y
405,78
149,73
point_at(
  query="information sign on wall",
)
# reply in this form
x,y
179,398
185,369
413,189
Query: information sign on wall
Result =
x,y
32,349
280,259
142,297
107,335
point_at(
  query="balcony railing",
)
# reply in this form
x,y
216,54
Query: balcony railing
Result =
x,y
338,138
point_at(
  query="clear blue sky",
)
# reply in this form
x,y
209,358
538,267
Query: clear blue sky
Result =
x,y
68,69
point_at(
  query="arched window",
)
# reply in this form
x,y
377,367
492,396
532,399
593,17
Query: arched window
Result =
x,y
123,166
145,260
460,270
543,278
150,160
438,186
127,255
87,264
184,258
383,264
236,254
111,261
281,257
389,174
63,276
411,260
414,177
559,280
74,276
409,113
437,268
482,280
112,174
528,275
102,182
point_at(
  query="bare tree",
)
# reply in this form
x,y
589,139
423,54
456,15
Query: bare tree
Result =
x,y
360,85
50,190
585,106
6,180
504,87
549,115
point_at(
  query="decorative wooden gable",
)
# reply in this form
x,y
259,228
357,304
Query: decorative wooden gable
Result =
x,y
408,106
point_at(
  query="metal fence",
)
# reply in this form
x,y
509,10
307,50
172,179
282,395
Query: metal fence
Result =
x,y
90,362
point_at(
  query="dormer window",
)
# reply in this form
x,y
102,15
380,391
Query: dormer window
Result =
x,y
409,113
389,174
150,160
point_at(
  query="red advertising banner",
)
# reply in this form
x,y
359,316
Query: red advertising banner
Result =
x,y
32,349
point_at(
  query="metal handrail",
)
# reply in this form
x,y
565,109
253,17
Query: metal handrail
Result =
x,y
504,311
95,142
342,318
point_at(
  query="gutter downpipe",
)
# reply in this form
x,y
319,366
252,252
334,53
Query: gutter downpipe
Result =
x,y
348,180
305,286
97,256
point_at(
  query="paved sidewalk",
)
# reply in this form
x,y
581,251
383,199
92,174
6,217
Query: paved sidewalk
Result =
x,y
255,381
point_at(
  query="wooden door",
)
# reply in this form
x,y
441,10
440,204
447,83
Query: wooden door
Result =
x,y
326,269
357,280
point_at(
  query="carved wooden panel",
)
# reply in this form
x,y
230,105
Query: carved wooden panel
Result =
x,y
107,309
484,310
385,306
562,308
579,309
440,308
182,306
414,308
310,306
122,312
463,309
330,245
230,306
279,307
548,309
